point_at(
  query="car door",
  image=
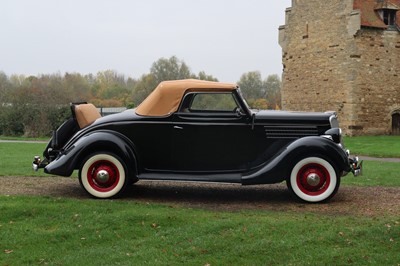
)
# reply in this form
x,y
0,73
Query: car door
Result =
x,y
153,142
211,134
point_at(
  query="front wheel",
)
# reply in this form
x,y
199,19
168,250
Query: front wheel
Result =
x,y
103,175
313,179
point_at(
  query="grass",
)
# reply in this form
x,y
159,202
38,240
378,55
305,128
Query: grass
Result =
x,y
376,174
16,158
379,146
24,138
55,231
58,231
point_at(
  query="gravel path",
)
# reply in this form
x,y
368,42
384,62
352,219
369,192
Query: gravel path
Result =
x,y
363,201
369,158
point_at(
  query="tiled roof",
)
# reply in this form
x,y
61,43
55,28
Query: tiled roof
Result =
x,y
387,5
369,11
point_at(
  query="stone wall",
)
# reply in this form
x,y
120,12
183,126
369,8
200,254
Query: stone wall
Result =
x,y
325,54
378,79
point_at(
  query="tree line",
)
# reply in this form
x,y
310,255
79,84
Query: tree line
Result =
x,y
33,106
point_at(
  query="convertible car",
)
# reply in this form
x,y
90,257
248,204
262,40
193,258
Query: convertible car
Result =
x,y
192,130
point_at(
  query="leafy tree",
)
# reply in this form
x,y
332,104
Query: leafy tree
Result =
x,y
145,85
251,85
76,86
272,87
161,70
110,85
170,69
4,86
260,103
261,94
17,80
203,76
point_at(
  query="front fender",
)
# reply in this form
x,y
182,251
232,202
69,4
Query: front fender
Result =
x,y
279,168
72,156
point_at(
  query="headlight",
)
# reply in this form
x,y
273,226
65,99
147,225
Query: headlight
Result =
x,y
335,133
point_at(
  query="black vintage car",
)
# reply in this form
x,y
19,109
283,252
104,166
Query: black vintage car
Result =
x,y
192,130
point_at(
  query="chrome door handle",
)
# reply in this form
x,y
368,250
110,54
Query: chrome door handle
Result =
x,y
178,127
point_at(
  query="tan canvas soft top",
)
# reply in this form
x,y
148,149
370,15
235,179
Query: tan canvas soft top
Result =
x,y
165,99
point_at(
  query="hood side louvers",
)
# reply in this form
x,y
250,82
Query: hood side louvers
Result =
x,y
290,132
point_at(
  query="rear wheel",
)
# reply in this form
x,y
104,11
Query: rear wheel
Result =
x,y
103,175
313,179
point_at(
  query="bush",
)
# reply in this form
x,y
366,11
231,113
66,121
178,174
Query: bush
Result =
x,y
10,122
32,120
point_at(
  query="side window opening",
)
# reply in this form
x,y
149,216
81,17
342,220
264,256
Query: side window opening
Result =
x,y
212,102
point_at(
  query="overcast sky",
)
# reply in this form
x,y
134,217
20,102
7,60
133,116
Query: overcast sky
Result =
x,y
225,38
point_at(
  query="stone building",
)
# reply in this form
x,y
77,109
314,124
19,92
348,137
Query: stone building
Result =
x,y
344,55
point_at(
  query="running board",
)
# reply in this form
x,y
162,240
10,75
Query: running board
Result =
x,y
220,178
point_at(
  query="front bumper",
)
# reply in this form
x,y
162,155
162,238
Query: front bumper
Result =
x,y
356,166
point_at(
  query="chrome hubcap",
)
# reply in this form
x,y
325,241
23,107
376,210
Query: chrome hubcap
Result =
x,y
103,176
313,179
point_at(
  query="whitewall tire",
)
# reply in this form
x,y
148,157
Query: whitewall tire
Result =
x,y
103,175
313,179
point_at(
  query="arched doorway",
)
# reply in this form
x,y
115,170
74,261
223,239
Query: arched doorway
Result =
x,y
396,123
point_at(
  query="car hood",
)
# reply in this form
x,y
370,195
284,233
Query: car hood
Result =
x,y
285,117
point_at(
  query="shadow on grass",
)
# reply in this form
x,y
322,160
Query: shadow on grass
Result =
x,y
212,196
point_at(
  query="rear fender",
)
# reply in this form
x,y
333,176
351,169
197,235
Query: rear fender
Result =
x,y
73,155
279,168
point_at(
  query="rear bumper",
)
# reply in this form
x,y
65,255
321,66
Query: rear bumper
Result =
x,y
38,163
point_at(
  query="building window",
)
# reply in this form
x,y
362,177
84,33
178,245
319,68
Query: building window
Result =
x,y
389,16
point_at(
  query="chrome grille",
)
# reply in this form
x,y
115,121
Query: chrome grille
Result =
x,y
290,132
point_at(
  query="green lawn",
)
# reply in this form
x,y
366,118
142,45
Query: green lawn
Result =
x,y
16,158
58,231
376,174
24,138
55,231
379,146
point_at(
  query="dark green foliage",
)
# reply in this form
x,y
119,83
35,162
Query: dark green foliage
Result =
x,y
10,122
35,106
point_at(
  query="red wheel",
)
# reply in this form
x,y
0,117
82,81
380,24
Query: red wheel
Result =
x,y
103,175
313,179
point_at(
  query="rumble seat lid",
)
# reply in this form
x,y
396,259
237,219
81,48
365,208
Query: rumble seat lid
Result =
x,y
166,97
